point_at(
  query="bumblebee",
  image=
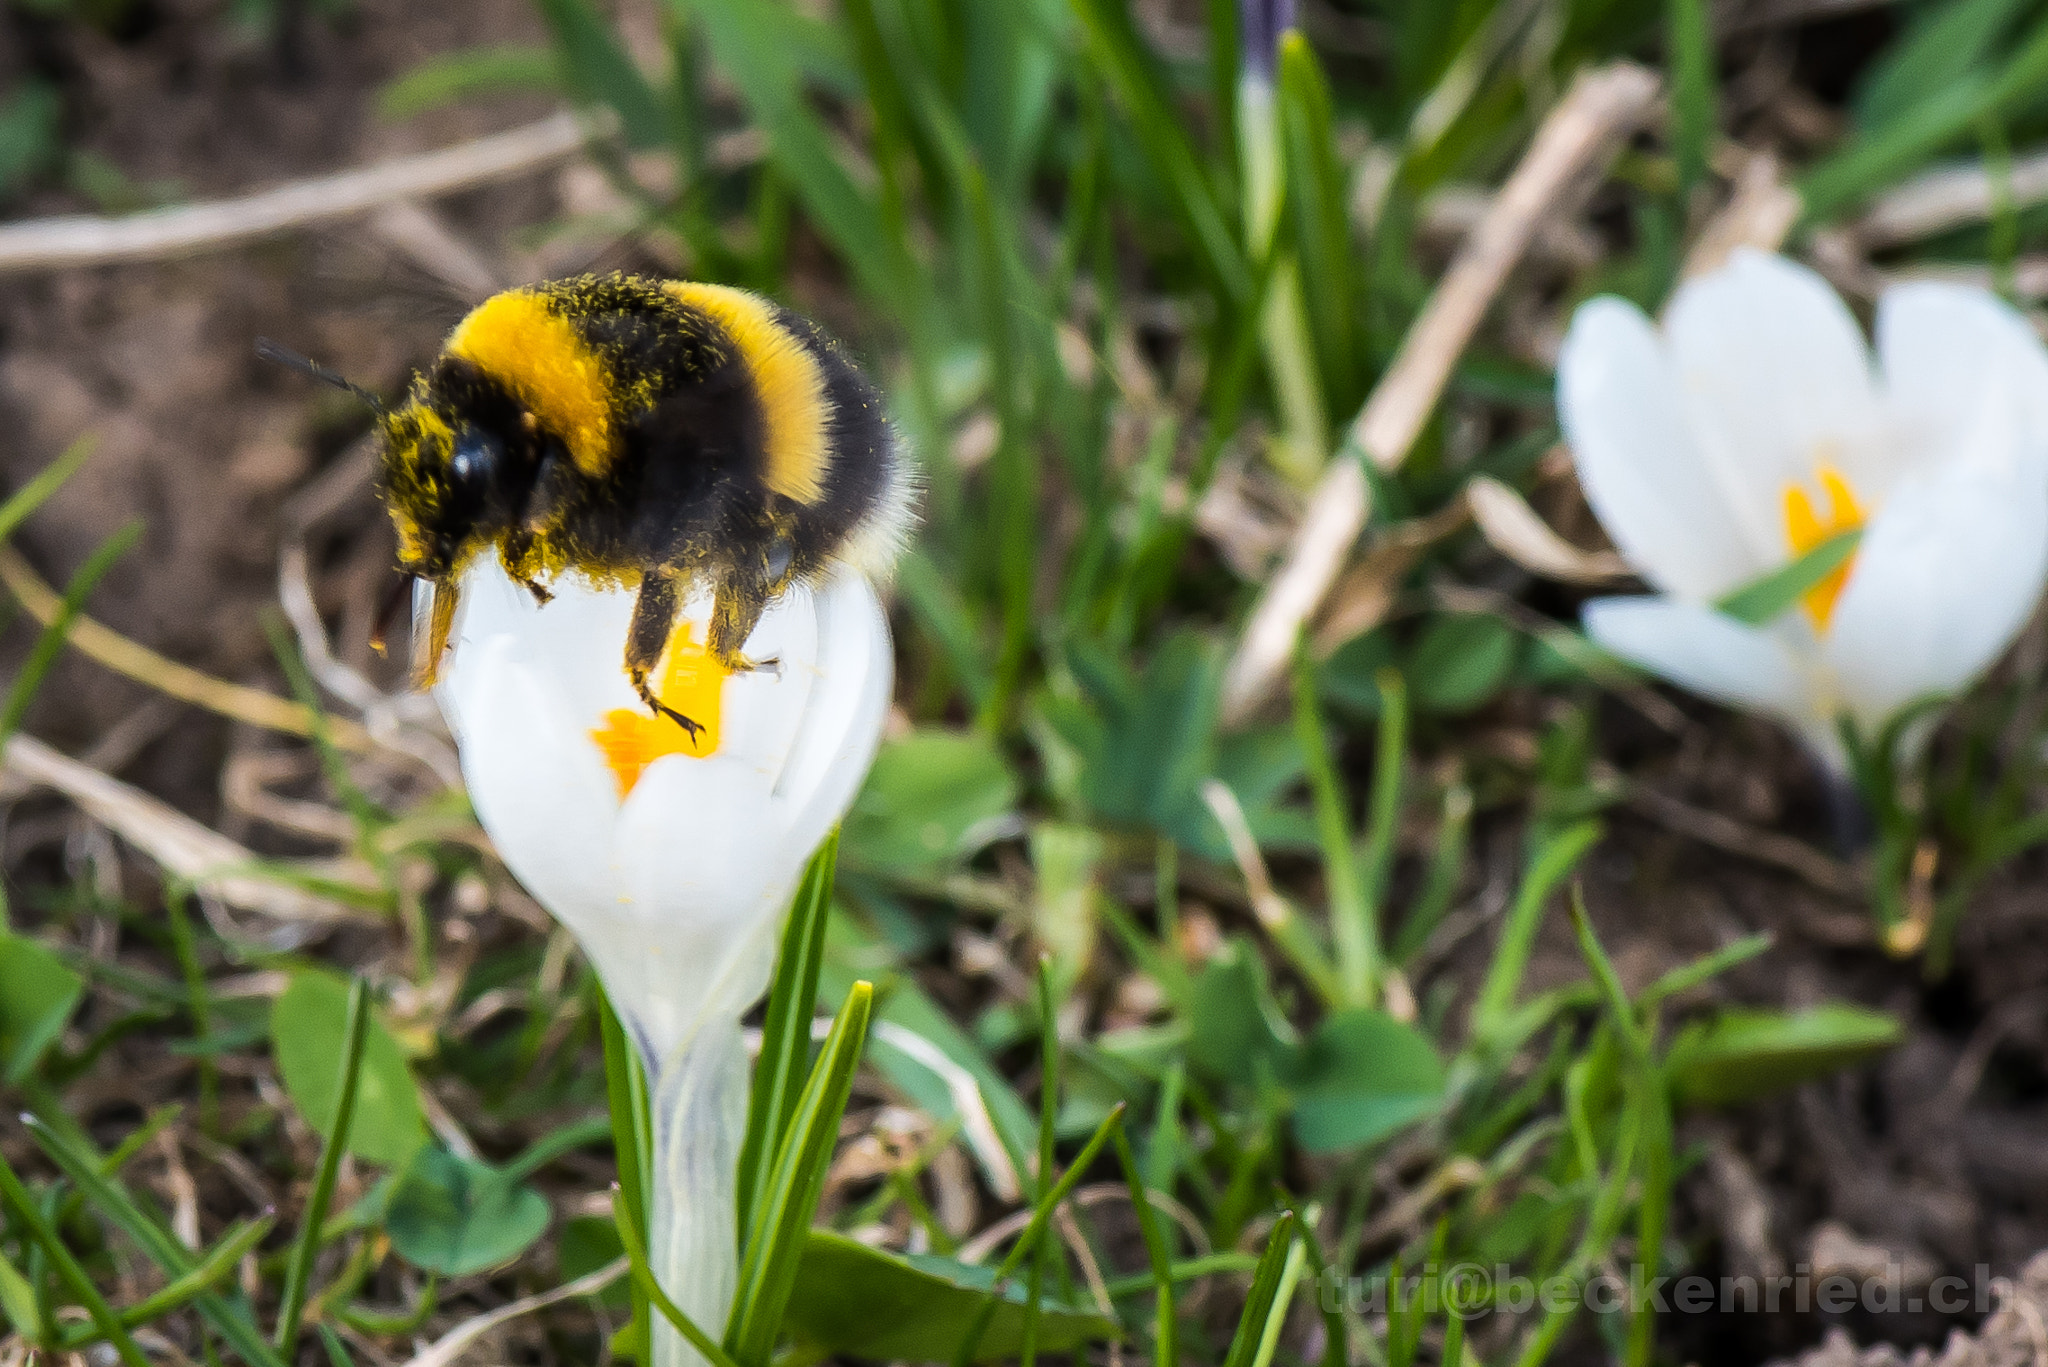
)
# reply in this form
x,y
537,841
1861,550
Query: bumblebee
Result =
x,y
662,435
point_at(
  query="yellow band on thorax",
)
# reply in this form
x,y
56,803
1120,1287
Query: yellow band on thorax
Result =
x,y
549,369
790,383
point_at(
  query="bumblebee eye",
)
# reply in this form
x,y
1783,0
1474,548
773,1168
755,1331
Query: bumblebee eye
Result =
x,y
475,461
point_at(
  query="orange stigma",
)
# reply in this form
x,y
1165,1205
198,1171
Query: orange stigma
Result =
x,y
686,679
1805,528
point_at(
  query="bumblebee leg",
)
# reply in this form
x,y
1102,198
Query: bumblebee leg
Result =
x,y
735,611
431,645
654,617
518,546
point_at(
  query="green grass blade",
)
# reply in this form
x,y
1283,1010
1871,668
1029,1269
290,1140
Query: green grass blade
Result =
x,y
1689,42
632,1141
1262,1304
644,1281
73,1276
1318,202
786,1030
1390,756
1351,928
1769,596
113,1202
1164,1322
469,72
299,1269
47,481
1446,870
1653,1107
1128,68
1518,933
1041,1217
50,644
746,45
218,1263
784,1207
600,71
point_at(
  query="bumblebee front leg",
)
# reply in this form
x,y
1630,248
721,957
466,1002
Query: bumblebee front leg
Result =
x,y
654,617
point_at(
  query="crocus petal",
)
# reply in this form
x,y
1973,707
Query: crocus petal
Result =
x,y
764,708
843,726
705,875
1946,576
539,787
1775,381
1706,651
1643,474
1951,354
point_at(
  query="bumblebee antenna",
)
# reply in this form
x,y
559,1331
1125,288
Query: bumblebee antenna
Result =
x,y
291,360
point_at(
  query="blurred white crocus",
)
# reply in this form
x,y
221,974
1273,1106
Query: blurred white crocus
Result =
x,y
672,860
1752,427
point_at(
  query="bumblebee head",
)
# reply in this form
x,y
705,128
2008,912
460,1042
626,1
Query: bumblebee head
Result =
x,y
447,478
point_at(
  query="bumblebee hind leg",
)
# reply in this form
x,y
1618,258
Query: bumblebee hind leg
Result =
x,y
735,612
654,617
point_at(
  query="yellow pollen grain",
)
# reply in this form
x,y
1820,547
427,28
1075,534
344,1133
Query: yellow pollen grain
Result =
x,y
791,384
687,679
540,357
1806,527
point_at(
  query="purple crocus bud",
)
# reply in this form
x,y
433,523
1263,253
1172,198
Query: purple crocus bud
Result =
x,y
1260,24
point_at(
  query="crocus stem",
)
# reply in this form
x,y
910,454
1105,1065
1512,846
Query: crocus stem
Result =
x,y
699,1101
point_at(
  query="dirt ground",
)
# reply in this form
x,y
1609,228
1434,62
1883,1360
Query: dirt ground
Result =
x,y
1936,1158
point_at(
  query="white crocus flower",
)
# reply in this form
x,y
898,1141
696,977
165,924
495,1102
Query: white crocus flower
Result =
x,y
1753,426
672,860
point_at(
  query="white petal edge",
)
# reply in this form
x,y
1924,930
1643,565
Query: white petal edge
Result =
x,y
1705,651
1951,354
1643,474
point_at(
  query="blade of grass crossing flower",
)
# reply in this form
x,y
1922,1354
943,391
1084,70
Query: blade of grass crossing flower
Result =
x,y
644,1282
1351,926
50,644
632,1141
786,1029
46,481
784,1206
1770,596
1027,1242
1689,41
298,1273
93,1179
105,1321
1164,1321
1518,933
1264,1305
